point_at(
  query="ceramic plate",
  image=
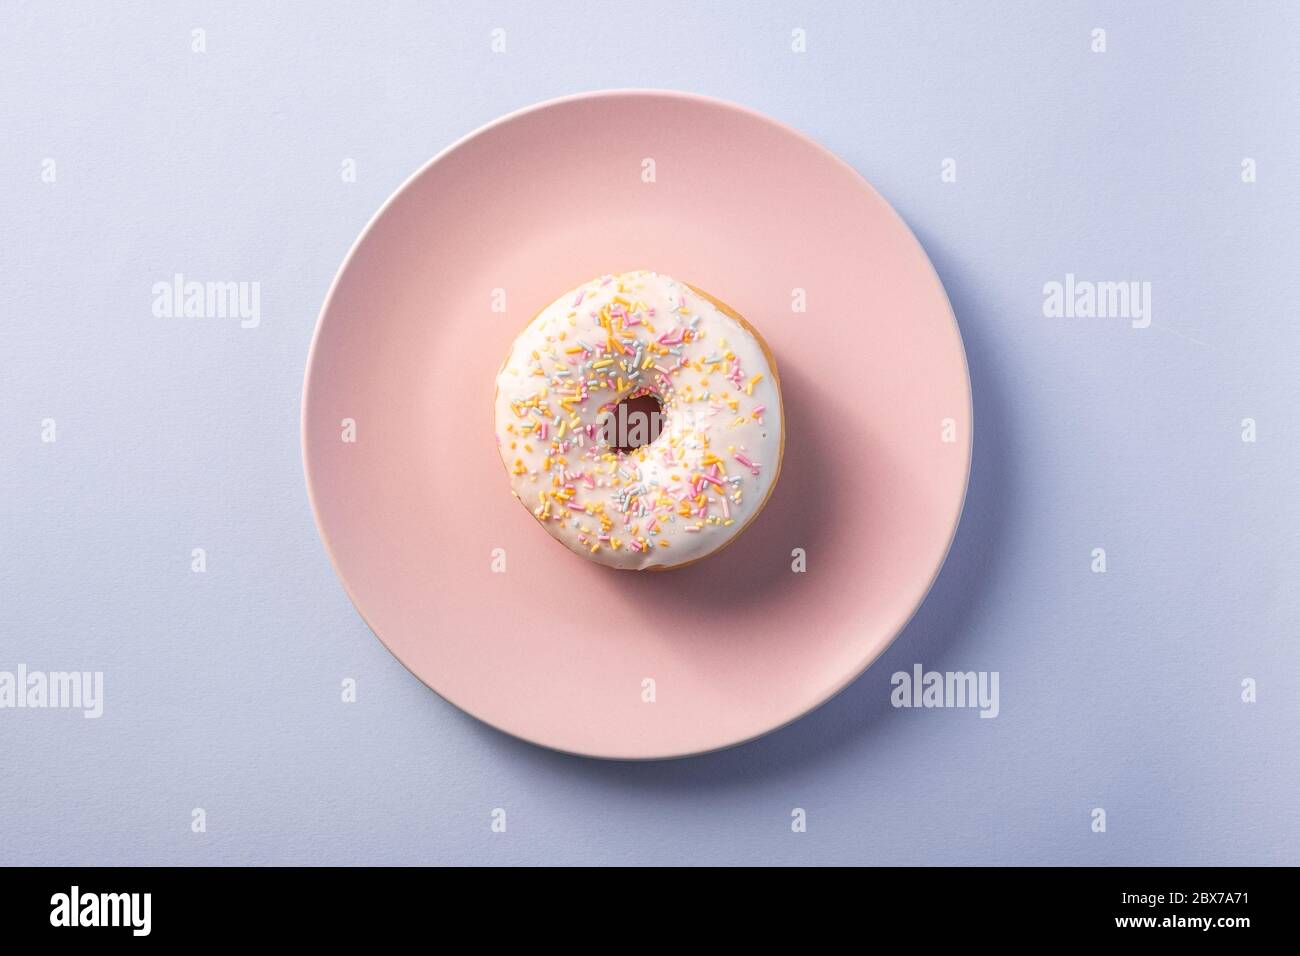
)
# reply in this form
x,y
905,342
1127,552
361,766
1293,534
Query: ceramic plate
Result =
x,y
558,650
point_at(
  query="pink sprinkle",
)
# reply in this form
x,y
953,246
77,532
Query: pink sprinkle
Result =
x,y
541,431
758,411
691,527
751,465
574,506
726,508
578,301
588,479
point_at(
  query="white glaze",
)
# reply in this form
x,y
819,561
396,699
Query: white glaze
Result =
x,y
635,500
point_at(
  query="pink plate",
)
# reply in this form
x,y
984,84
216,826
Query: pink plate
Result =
x,y
557,650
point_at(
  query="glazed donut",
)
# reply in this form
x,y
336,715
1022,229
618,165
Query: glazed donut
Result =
x,y
576,403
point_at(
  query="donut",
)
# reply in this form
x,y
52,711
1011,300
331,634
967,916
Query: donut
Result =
x,y
589,382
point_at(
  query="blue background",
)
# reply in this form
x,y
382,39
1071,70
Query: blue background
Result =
x,y
1119,690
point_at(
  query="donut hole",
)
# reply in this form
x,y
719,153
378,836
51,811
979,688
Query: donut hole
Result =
x,y
634,422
